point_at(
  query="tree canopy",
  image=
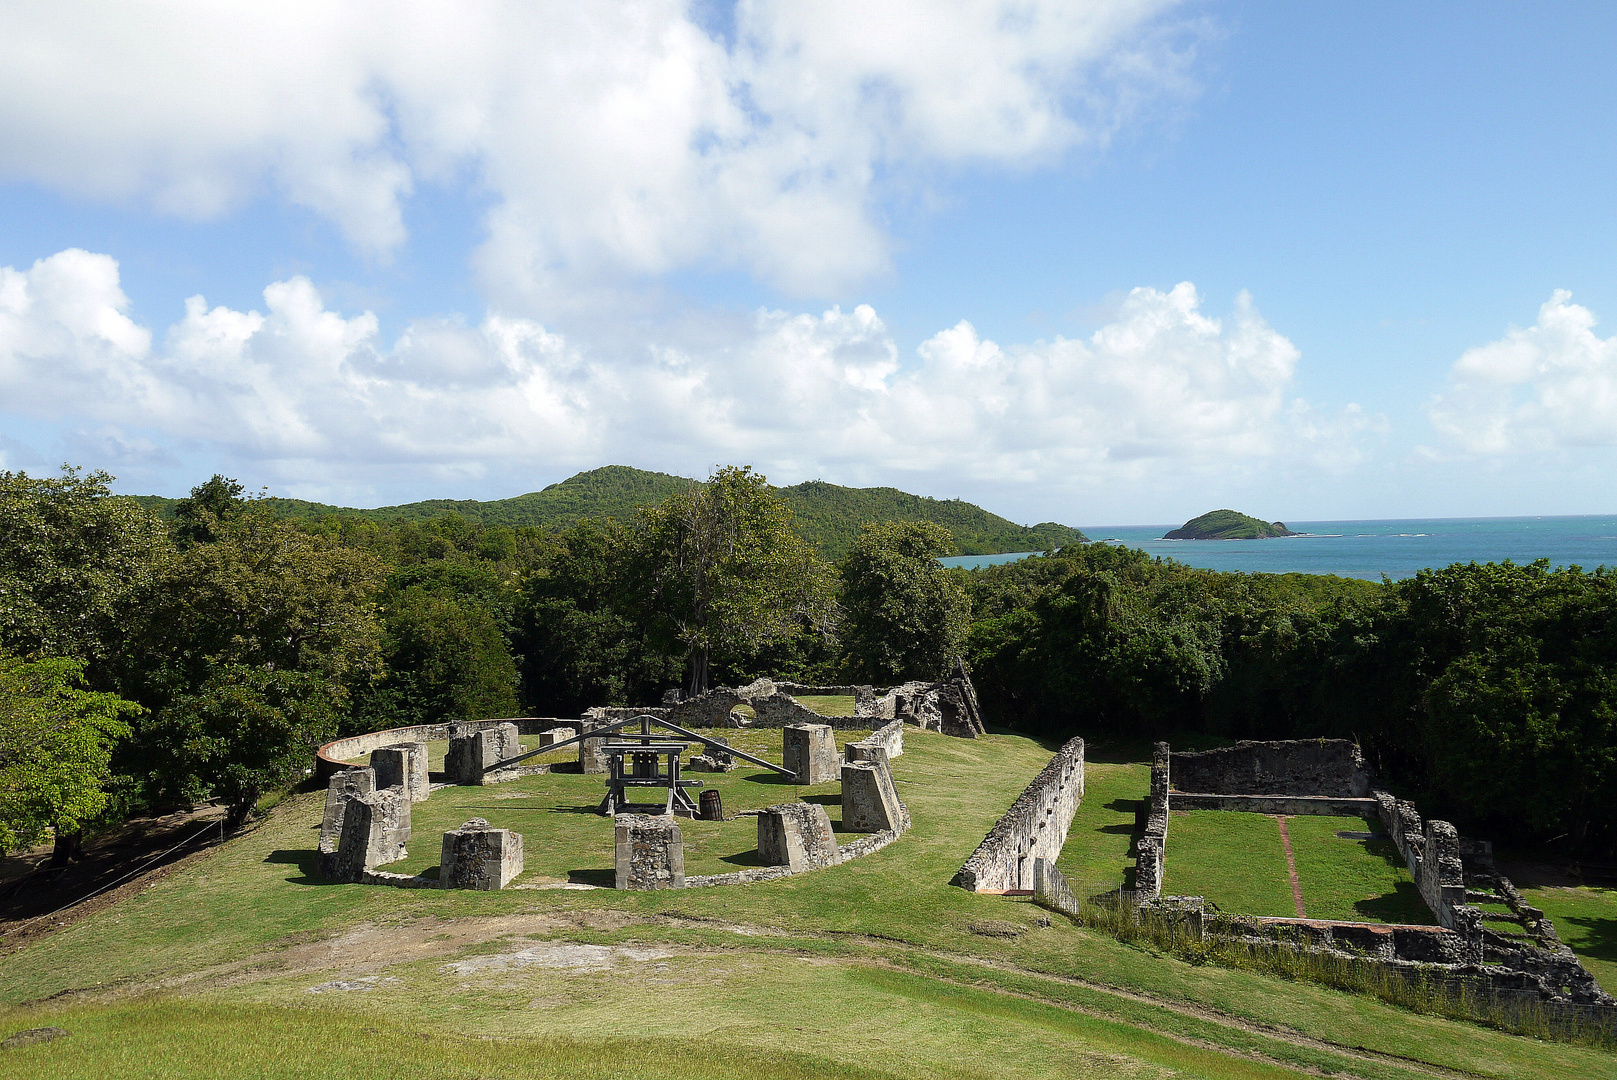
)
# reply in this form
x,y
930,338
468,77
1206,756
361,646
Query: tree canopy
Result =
x,y
906,615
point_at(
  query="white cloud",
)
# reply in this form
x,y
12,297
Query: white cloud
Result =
x,y
317,402
1552,385
618,140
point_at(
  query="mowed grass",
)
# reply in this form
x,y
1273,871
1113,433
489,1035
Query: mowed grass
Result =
x,y
566,840
1098,855
1586,919
1233,859
873,965
1353,880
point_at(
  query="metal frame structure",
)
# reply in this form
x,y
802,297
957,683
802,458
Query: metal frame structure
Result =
x,y
643,765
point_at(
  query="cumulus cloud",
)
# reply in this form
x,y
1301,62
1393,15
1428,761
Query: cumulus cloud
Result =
x,y
322,403
617,140
1552,385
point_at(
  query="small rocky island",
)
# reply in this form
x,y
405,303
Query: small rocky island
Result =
x,y
1228,525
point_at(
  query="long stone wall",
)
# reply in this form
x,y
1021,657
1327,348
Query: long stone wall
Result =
x,y
1276,804
1332,767
1035,827
335,756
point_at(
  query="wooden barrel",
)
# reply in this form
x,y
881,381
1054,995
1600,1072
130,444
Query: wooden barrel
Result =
x,y
712,806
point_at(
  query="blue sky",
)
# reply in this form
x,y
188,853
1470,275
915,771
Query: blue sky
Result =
x,y
1092,263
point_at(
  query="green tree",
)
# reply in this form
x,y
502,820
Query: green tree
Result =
x,y
906,614
245,731
198,519
55,748
73,557
447,661
724,573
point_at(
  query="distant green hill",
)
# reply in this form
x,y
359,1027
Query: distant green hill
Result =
x,y
828,516
1228,525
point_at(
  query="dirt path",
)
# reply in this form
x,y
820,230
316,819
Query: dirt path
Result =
x,y
1291,866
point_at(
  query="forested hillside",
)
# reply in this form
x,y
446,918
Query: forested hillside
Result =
x,y
828,515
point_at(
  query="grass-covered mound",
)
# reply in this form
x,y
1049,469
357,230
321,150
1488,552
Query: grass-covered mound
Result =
x,y
246,964
1228,525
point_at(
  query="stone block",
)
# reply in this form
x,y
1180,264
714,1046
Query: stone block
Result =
x,y
471,754
810,751
375,830
869,800
713,759
552,736
590,758
402,765
874,753
649,852
478,856
340,791
796,835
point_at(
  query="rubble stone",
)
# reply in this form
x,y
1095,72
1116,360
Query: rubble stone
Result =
x,y
869,800
478,856
649,852
403,765
796,835
375,830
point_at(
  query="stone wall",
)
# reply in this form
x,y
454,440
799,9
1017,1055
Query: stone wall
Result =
x,y
1035,827
340,754
949,706
887,742
1151,849
1332,767
648,852
479,856
797,836
1276,804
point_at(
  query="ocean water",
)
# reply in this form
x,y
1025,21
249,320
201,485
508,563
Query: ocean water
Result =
x,y
1369,549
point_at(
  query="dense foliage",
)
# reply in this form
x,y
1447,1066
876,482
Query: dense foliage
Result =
x,y
826,515
244,637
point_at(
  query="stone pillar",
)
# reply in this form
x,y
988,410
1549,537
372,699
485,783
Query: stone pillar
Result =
x,y
342,789
649,852
590,758
477,856
375,829
872,752
810,751
869,800
402,765
796,835
475,753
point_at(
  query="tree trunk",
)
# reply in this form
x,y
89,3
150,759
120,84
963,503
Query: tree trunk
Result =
x,y
237,814
68,846
699,672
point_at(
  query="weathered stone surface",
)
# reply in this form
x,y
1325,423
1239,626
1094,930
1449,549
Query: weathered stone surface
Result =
x,y
949,706
1034,827
873,753
402,765
340,790
888,738
478,856
474,753
375,830
810,751
1332,767
552,736
649,852
590,757
714,759
779,710
869,800
797,836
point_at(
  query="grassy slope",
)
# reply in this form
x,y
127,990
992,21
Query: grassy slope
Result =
x,y
870,965
828,515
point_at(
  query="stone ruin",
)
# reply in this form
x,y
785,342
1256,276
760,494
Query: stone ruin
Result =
x,y
479,856
473,755
869,799
403,765
797,836
375,830
1034,827
714,760
810,751
648,852
1469,947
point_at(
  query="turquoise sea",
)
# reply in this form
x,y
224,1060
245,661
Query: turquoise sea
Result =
x,y
1369,549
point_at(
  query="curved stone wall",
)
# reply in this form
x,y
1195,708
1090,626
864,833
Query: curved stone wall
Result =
x,y
336,755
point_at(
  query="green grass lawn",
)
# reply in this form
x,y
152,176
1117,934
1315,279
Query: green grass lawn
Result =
x,y
1097,853
564,839
1237,861
1586,919
873,968
1233,859
829,704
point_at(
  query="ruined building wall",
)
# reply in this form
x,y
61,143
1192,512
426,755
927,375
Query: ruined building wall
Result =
x,y
1332,767
1151,849
1035,826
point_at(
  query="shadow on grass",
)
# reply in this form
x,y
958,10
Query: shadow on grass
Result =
x,y
606,879
1600,935
744,858
1402,905
771,778
306,860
